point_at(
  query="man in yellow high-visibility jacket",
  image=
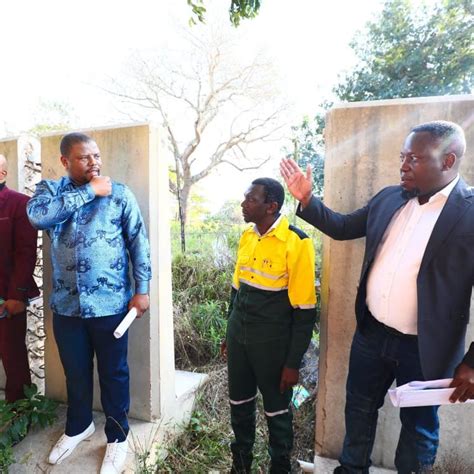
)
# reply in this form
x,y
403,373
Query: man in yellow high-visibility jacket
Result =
x,y
271,319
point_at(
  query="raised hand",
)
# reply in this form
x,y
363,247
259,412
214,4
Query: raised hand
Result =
x,y
101,185
298,183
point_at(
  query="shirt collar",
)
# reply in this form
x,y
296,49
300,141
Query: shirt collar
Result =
x,y
446,191
279,228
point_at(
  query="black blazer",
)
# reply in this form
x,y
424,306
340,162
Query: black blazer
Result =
x,y
446,273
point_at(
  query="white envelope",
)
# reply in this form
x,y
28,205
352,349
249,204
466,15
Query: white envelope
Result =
x,y
419,394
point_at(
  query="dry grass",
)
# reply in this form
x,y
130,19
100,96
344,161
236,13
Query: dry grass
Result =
x,y
453,464
201,291
205,444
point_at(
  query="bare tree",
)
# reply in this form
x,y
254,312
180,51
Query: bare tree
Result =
x,y
214,110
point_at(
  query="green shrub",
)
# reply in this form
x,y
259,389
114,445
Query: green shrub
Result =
x,y
201,292
209,321
17,417
197,279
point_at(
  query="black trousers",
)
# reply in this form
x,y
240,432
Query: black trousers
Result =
x,y
251,366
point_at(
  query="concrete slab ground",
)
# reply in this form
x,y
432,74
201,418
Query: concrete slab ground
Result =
x,y
33,451
326,466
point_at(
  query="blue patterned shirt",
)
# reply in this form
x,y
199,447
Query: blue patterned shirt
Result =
x,y
90,237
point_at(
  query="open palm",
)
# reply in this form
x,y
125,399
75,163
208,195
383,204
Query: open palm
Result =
x,y
299,184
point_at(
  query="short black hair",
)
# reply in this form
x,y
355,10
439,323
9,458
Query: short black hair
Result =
x,y
450,133
274,191
69,140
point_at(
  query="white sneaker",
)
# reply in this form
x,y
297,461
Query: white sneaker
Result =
x,y
114,459
66,445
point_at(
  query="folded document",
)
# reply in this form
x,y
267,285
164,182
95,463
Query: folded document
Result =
x,y
419,394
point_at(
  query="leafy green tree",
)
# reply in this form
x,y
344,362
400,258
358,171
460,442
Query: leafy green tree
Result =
x,y
404,52
308,141
413,52
238,10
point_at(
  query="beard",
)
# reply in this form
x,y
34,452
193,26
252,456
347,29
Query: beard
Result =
x,y
410,194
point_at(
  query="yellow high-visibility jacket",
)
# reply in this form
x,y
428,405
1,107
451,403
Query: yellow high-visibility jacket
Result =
x,y
273,293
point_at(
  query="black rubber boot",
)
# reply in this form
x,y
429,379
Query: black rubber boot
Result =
x,y
281,465
241,464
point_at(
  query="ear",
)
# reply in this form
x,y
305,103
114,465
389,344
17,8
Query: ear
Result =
x,y
449,161
272,208
65,162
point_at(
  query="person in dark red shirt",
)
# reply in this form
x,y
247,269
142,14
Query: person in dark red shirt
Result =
x,y
18,242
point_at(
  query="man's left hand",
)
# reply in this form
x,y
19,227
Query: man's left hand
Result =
x,y
141,303
14,307
464,382
289,378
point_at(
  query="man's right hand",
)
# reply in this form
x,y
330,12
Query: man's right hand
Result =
x,y
13,307
224,349
298,184
101,185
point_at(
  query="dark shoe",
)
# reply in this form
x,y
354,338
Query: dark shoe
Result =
x,y
241,464
348,470
340,470
280,465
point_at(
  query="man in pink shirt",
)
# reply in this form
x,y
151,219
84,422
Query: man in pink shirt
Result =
x,y
413,300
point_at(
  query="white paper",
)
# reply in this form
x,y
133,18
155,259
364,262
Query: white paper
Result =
x,y
125,323
306,466
419,394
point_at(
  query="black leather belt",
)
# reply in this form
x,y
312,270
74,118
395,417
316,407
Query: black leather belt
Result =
x,y
388,329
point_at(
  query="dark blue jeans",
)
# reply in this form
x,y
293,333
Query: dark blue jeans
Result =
x,y
377,359
78,339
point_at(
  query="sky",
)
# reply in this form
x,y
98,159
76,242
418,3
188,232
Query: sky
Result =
x,y
60,50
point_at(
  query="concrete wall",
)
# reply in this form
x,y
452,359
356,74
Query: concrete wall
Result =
x,y
130,155
363,142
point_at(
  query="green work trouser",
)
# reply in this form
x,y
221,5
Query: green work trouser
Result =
x,y
252,365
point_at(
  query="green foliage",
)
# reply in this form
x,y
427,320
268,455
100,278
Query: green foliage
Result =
x,y
405,52
196,277
204,445
239,10
209,321
243,9
198,9
413,52
308,143
201,293
217,239
16,418
142,448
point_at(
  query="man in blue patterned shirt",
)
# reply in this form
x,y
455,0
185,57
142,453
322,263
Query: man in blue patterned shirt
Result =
x,y
95,228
